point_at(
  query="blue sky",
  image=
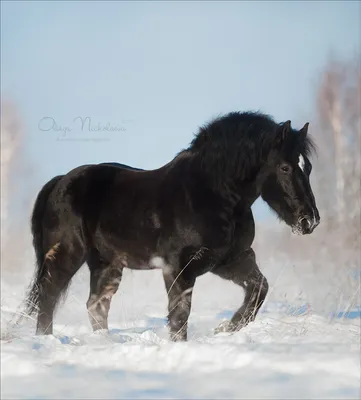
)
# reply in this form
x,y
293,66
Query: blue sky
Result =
x,y
158,70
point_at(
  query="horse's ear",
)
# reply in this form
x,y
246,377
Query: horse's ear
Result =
x,y
286,127
304,130
283,132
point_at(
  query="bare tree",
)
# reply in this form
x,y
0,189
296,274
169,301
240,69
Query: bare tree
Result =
x,y
11,140
338,113
14,193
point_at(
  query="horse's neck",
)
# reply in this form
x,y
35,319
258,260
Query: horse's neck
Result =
x,y
249,187
244,191
248,195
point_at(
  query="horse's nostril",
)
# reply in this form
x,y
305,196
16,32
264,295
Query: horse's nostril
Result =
x,y
305,223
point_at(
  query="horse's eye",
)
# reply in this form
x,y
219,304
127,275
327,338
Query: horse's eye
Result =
x,y
286,169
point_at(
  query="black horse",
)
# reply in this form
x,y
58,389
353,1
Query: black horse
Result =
x,y
190,216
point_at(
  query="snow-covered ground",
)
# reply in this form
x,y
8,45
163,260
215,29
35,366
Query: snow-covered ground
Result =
x,y
279,356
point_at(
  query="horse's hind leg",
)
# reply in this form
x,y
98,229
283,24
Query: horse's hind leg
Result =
x,y
104,282
60,265
244,272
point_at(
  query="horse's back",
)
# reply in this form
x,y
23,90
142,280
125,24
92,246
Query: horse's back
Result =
x,y
86,186
102,197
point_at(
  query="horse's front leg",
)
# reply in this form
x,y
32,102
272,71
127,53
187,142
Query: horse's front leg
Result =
x,y
179,291
244,272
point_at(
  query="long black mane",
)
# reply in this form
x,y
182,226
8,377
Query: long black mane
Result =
x,y
236,143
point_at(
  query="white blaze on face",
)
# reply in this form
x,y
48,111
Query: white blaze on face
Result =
x,y
301,162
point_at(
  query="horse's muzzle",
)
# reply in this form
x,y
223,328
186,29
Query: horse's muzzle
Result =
x,y
307,225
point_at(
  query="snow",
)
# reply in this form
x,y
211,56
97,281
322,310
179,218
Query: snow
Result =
x,y
278,356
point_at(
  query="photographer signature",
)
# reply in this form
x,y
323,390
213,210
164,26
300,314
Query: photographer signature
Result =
x,y
47,124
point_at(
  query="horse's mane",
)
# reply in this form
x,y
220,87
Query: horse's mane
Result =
x,y
238,141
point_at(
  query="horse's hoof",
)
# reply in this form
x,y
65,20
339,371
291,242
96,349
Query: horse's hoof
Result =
x,y
101,332
178,337
225,326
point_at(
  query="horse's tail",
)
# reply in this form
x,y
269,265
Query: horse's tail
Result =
x,y
33,296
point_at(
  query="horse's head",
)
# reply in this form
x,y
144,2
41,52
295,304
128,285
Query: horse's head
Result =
x,y
286,184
